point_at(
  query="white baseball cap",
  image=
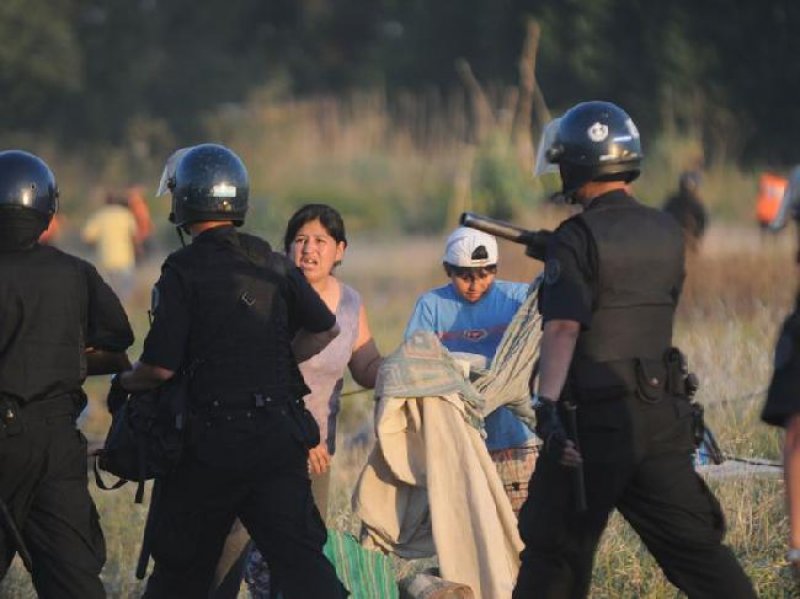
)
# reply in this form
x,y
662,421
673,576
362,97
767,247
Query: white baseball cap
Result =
x,y
468,247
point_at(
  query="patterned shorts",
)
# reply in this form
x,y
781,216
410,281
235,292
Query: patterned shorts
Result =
x,y
515,466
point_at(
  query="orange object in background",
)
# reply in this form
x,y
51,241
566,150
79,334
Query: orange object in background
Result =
x,y
141,214
770,194
52,231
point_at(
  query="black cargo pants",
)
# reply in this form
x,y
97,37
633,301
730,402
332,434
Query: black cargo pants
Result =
x,y
43,480
251,465
638,459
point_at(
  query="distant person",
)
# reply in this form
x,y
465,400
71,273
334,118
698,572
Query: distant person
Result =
x,y
789,202
771,188
55,309
112,230
470,315
686,206
144,223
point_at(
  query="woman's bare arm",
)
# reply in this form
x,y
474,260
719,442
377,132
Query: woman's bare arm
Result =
x,y
366,358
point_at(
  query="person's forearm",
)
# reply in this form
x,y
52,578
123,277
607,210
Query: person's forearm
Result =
x,y
306,344
791,461
364,364
100,361
144,377
558,345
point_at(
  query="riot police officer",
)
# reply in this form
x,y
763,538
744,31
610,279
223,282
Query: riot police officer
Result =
x,y
613,276
57,316
782,407
235,317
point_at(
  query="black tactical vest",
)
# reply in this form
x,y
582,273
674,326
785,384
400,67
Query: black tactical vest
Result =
x,y
240,335
639,273
44,294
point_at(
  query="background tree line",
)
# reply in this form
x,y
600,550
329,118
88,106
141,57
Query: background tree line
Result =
x,y
88,70
401,112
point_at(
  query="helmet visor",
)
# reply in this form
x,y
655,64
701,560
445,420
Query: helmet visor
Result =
x,y
169,171
543,166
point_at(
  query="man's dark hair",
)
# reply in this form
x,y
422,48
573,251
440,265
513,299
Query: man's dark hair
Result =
x,y
454,271
328,216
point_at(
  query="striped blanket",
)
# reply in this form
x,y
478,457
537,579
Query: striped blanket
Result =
x,y
366,574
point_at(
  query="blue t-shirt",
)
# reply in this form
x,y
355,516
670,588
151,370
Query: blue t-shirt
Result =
x,y
477,329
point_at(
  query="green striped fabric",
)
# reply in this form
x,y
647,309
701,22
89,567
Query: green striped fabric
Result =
x,y
366,574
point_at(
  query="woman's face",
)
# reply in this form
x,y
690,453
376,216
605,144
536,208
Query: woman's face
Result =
x,y
315,251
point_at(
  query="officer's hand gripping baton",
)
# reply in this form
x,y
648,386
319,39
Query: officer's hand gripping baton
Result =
x,y
572,432
535,242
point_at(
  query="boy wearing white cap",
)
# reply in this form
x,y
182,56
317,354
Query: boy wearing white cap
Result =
x,y
470,315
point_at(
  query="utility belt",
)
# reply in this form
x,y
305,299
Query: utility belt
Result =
x,y
16,416
246,400
242,405
650,379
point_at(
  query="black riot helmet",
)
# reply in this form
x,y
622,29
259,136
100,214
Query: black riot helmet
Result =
x,y
210,183
26,181
595,141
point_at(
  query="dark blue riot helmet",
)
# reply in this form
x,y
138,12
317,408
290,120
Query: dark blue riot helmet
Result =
x,y
209,183
595,141
27,182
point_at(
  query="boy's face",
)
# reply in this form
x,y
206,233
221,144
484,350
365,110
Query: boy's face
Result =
x,y
472,283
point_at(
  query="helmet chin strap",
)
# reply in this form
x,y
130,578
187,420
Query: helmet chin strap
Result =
x,y
181,231
572,179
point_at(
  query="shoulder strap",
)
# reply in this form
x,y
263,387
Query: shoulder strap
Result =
x,y
98,479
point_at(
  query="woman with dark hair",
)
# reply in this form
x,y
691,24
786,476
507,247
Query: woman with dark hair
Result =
x,y
315,241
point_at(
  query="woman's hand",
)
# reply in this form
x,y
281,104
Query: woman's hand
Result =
x,y
319,460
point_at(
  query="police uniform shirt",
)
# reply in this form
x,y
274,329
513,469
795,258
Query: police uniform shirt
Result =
x,y
166,342
55,306
569,269
783,396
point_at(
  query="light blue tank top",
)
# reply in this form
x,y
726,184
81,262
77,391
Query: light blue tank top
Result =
x,y
323,372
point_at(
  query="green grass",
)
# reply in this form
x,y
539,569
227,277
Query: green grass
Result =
x,y
736,295
395,184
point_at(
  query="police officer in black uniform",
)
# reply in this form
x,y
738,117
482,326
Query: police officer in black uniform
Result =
x,y
56,313
613,276
782,407
239,317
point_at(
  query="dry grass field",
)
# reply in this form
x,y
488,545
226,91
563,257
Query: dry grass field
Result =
x,y
738,288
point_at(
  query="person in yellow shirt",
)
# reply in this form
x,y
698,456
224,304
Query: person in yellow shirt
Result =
x,y
112,231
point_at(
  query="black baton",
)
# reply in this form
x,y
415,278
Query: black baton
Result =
x,y
144,554
572,431
22,548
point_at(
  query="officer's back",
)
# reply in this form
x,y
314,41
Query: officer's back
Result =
x,y
57,316
637,255
242,321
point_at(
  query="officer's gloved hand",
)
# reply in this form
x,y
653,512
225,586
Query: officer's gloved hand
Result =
x,y
117,396
549,428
